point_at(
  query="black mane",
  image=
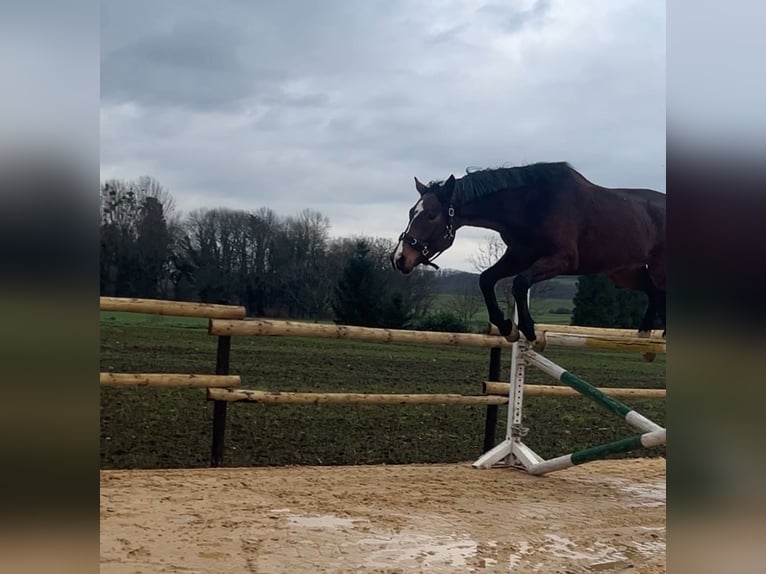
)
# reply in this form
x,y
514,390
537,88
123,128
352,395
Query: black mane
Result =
x,y
480,183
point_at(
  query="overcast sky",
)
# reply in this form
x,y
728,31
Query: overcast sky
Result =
x,y
337,105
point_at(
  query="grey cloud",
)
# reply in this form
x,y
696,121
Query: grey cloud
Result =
x,y
336,108
511,19
236,55
447,37
197,64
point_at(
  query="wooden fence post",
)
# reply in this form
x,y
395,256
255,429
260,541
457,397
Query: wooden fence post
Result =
x,y
219,407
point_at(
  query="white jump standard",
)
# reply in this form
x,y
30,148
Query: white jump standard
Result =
x,y
512,452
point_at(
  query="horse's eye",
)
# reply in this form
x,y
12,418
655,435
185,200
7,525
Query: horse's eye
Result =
x,y
433,216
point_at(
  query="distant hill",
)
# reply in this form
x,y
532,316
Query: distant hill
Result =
x,y
452,282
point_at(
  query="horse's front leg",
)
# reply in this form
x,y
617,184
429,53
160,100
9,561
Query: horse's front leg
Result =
x,y
506,266
543,269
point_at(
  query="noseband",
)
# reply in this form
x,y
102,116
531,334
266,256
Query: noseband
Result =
x,y
423,249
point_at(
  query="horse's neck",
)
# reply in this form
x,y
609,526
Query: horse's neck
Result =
x,y
482,223
492,213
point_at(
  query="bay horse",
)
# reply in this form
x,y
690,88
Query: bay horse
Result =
x,y
554,222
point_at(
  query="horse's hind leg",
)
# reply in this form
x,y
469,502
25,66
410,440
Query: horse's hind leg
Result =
x,y
543,269
658,277
638,279
654,297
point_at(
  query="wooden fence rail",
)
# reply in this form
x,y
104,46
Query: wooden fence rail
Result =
x,y
168,380
226,321
173,308
260,327
275,397
502,389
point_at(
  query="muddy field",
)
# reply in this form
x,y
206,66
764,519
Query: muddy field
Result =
x,y
606,516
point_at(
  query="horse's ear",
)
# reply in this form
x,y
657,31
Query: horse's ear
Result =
x,y
449,186
420,187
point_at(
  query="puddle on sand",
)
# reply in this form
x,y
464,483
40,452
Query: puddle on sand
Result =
x,y
562,547
427,551
650,548
324,521
513,561
597,556
407,547
645,495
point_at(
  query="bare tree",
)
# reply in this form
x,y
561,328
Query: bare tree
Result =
x,y
136,238
466,303
306,282
147,186
488,254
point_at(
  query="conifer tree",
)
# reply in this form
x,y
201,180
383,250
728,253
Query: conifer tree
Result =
x,y
358,292
598,303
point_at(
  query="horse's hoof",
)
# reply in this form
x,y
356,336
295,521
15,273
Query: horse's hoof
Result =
x,y
508,329
529,334
513,336
505,326
540,343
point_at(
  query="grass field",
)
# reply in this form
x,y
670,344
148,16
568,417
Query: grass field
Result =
x,y
543,311
171,428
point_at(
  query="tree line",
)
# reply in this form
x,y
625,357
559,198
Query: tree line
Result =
x,y
290,267
273,265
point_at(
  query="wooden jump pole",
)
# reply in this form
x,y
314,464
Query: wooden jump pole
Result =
x,y
174,308
606,342
572,336
502,389
656,335
168,380
259,327
277,397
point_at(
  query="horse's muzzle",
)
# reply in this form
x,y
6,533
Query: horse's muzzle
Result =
x,y
400,265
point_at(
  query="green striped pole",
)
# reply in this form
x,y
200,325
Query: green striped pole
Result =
x,y
633,418
646,440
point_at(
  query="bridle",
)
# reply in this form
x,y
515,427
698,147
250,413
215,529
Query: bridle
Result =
x,y
423,249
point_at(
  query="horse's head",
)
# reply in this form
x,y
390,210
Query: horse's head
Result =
x,y
430,230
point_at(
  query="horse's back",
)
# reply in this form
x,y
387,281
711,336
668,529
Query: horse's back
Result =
x,y
612,228
654,197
